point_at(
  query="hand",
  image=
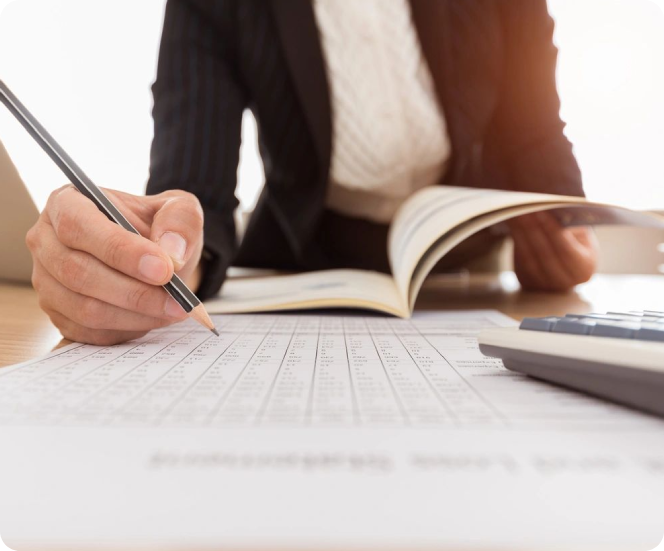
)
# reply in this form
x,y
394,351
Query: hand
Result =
x,y
101,284
548,257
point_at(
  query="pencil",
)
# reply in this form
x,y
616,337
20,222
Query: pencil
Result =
x,y
175,287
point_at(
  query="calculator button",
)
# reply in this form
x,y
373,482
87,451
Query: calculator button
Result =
x,y
651,332
574,326
619,330
538,324
598,317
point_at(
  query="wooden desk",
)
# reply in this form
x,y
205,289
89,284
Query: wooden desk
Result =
x,y
26,332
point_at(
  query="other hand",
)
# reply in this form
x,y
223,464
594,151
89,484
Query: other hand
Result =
x,y
101,284
549,257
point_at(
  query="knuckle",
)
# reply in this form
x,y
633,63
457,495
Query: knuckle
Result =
x,y
68,227
92,313
74,271
36,281
45,306
142,298
198,209
57,319
117,248
32,238
191,202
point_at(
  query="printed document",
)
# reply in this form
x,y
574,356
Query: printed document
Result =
x,y
306,431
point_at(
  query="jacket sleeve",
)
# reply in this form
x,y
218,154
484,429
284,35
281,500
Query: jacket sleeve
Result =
x,y
527,133
198,106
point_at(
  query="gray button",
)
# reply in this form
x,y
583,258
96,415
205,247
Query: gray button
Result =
x,y
626,315
574,326
650,332
598,317
619,330
538,324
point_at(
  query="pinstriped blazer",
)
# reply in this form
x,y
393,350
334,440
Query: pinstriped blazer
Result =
x,y
493,63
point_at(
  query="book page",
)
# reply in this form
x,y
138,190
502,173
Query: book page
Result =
x,y
441,217
361,432
568,215
321,289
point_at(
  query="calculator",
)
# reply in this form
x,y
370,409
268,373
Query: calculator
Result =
x,y
618,356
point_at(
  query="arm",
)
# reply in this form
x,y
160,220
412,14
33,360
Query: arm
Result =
x,y
527,133
102,284
198,107
527,138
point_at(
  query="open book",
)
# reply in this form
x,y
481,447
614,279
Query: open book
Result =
x,y
427,226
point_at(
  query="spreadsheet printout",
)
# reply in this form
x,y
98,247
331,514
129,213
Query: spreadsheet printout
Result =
x,y
307,431
297,370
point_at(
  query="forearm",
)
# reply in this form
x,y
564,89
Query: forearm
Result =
x,y
192,150
526,136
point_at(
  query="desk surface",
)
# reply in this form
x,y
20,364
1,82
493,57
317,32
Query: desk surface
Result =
x,y
26,332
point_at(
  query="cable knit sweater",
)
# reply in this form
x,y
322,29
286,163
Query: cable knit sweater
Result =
x,y
389,132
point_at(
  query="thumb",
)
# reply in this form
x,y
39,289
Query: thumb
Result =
x,y
177,227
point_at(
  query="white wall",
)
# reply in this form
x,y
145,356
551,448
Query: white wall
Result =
x,y
611,80
84,68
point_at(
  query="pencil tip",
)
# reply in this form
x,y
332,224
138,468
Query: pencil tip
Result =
x,y
202,317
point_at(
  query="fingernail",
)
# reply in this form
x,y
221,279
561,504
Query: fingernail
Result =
x,y
153,268
174,310
174,245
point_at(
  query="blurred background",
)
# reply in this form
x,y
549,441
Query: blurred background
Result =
x,y
85,69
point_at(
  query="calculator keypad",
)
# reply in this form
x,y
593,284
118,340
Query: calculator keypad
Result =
x,y
647,325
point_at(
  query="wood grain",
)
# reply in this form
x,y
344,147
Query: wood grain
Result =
x,y
25,331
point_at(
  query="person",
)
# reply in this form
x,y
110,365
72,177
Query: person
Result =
x,y
358,105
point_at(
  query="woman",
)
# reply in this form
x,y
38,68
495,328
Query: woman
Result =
x,y
358,105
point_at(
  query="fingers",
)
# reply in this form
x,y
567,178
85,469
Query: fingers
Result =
x,y
78,333
90,312
85,275
177,227
538,257
526,264
549,257
100,283
79,225
576,248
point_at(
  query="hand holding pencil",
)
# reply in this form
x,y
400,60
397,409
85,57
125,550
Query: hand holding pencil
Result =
x,y
99,283
92,261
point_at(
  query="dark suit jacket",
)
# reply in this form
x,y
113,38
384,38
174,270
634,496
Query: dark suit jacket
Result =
x,y
493,63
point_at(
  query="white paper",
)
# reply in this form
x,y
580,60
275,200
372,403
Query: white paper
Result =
x,y
305,431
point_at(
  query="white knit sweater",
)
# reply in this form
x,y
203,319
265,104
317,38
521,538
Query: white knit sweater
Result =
x,y
389,132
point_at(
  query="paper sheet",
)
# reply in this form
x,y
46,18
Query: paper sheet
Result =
x,y
306,431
